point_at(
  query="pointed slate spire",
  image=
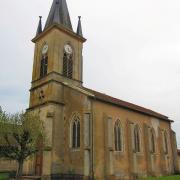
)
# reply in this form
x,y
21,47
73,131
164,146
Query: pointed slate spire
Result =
x,y
79,28
39,29
59,14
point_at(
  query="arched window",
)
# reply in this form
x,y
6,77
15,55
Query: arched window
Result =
x,y
152,141
76,132
118,136
68,65
136,139
165,143
44,66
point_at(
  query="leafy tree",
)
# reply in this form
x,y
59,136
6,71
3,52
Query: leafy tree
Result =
x,y
19,134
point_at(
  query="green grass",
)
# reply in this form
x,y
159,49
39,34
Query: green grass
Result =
x,y
4,176
163,178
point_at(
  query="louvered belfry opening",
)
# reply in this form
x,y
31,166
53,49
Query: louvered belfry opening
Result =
x,y
44,66
68,65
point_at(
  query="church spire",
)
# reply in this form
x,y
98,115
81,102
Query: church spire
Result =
x,y
39,29
59,14
79,28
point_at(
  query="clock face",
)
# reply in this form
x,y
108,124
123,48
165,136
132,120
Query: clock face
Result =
x,y
68,49
45,49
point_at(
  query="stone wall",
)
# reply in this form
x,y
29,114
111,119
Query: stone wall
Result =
x,y
143,163
7,165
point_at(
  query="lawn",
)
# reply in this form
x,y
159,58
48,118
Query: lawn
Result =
x,y
4,176
164,178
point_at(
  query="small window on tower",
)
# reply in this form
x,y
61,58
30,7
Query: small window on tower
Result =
x,y
68,61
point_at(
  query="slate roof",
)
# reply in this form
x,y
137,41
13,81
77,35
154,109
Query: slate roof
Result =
x,y
39,29
79,28
114,101
59,14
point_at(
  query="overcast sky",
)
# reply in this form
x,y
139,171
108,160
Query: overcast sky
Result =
x,y
132,52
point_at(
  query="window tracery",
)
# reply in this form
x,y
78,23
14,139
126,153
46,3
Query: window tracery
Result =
x,y
76,129
137,145
165,143
152,141
118,136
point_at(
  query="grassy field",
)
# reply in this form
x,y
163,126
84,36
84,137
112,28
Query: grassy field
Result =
x,y
164,178
4,176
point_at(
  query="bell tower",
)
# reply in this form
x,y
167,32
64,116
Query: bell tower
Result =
x,y
58,52
57,67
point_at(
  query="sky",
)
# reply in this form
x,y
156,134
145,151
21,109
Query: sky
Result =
x,y
132,51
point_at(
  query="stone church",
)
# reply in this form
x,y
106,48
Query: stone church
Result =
x,y
89,134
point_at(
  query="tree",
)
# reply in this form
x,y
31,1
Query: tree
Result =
x,y
19,134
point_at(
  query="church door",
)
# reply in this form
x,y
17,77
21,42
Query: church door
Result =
x,y
39,159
